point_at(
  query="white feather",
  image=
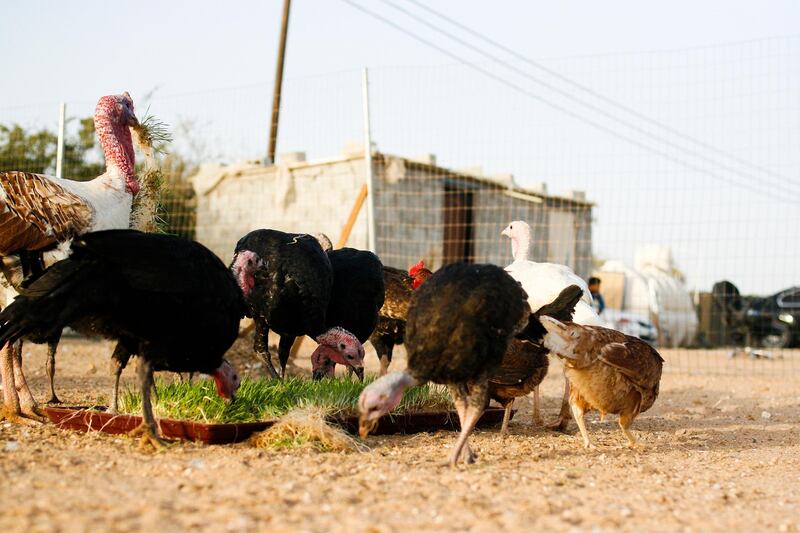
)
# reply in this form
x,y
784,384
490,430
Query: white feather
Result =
x,y
544,281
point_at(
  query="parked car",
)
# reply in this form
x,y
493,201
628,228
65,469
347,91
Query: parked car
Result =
x,y
774,321
631,323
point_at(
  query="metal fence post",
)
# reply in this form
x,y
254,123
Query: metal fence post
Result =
x,y
368,162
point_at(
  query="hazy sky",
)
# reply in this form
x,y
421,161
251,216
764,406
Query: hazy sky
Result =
x,y
708,72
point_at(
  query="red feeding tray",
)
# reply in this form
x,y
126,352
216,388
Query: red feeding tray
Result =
x,y
92,419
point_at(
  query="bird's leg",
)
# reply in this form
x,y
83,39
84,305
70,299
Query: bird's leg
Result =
x,y
11,410
117,369
563,415
506,417
385,362
119,360
284,349
27,403
459,395
148,429
384,351
50,367
625,421
577,412
261,346
537,411
474,402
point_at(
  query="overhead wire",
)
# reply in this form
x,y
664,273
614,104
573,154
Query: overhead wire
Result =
x,y
568,112
599,96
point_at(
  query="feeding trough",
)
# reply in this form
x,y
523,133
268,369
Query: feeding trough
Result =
x,y
96,419
193,411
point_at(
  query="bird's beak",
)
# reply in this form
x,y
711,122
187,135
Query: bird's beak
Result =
x,y
359,372
366,426
506,232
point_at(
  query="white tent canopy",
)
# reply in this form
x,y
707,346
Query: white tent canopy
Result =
x,y
651,289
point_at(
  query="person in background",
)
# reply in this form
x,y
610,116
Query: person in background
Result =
x,y
597,299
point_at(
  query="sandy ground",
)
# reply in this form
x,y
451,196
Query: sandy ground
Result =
x,y
720,453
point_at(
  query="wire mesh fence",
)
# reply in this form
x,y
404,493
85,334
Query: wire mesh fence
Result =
x,y
663,173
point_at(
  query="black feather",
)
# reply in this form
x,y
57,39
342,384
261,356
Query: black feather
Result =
x,y
357,293
460,322
172,297
293,289
561,309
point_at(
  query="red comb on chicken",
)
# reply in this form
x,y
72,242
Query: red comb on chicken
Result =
x,y
418,274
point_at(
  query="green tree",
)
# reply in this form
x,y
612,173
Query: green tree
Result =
x,y
36,151
27,152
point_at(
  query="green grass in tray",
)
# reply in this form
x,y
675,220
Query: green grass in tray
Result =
x,y
268,399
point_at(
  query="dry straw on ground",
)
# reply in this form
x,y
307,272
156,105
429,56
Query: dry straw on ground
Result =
x,y
307,428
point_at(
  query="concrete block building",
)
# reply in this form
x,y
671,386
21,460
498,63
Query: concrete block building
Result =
x,y
422,211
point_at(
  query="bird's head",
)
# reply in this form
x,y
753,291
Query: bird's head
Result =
x,y
345,349
562,338
419,274
520,234
227,380
113,118
379,398
244,266
116,108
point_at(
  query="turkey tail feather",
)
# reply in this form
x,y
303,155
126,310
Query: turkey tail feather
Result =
x,y
561,309
66,292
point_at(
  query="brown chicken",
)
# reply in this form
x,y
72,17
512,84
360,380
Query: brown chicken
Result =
x,y
607,370
525,362
523,368
391,327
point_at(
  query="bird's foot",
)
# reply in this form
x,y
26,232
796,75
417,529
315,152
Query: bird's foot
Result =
x,y
634,445
149,438
588,445
22,418
54,400
469,457
29,409
537,421
559,425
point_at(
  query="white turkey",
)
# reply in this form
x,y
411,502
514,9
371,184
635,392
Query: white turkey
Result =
x,y
40,215
543,282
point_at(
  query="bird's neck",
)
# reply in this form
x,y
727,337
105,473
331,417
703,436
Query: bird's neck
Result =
x,y
400,381
521,247
323,355
118,150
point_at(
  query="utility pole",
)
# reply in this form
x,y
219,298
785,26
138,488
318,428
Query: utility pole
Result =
x,y
276,94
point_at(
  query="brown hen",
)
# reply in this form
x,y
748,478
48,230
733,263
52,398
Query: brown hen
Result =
x,y
391,327
607,370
